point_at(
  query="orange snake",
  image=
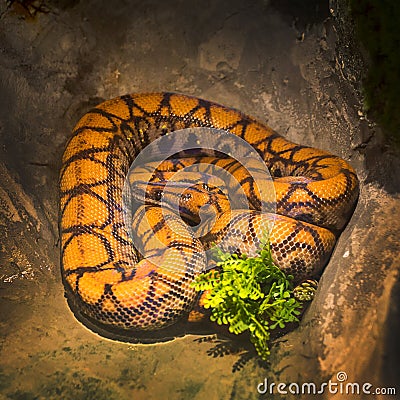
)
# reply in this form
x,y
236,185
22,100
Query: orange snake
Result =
x,y
103,276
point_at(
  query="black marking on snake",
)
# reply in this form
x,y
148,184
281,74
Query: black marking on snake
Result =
x,y
132,134
254,200
257,143
130,104
79,232
83,155
115,232
316,237
80,271
156,228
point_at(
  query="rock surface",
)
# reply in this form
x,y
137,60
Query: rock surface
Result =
x,y
276,60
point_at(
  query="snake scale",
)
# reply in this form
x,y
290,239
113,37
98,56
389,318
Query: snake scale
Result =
x,y
102,273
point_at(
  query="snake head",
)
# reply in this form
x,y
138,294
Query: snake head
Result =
x,y
191,201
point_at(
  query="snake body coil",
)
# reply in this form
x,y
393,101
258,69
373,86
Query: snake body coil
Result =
x,y
101,270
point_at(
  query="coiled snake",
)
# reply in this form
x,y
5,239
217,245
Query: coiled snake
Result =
x,y
103,277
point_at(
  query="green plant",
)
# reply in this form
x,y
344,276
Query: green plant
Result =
x,y
249,294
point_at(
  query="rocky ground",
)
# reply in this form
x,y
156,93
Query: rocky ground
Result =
x,y
280,61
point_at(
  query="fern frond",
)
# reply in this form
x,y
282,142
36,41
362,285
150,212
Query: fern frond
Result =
x,y
250,294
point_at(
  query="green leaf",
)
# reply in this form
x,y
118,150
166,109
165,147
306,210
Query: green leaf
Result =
x,y
249,294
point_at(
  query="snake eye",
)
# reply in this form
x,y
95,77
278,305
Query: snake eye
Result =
x,y
158,195
277,173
